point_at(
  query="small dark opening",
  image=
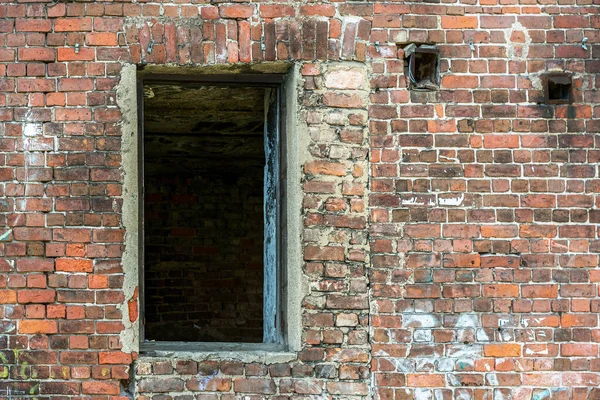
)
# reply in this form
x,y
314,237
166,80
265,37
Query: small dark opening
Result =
x,y
204,158
558,88
423,67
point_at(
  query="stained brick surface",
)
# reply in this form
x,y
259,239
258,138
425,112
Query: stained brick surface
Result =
x,y
450,238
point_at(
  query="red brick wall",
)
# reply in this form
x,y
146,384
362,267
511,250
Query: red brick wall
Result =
x,y
204,252
474,275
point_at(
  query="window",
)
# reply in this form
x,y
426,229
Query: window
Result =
x,y
422,66
557,88
212,209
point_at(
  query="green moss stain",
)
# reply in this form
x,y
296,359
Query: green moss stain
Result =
x,y
34,389
23,371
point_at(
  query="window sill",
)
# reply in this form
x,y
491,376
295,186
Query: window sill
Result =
x,y
244,352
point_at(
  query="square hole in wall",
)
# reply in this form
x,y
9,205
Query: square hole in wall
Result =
x,y
423,66
557,88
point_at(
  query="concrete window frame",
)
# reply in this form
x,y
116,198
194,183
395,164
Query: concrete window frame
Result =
x,y
285,340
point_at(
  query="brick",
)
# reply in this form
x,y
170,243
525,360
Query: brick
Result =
x,y
422,231
98,387
324,253
33,25
8,296
347,302
343,100
426,380
501,141
501,290
325,10
66,388
73,114
7,55
75,84
210,384
502,350
256,386
114,357
571,21
456,81
498,82
36,85
36,54
36,296
571,320
532,231
451,22
540,291
35,265
237,11
187,367
101,39
347,388
276,11
325,168
34,327
538,201
69,54
462,260
496,22
74,265
72,24
579,350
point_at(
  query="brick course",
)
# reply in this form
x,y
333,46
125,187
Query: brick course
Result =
x,y
450,237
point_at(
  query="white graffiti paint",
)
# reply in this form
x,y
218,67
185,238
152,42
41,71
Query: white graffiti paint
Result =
x,y
423,335
530,352
482,335
467,321
203,380
462,395
5,235
420,320
492,379
414,201
444,158
445,365
451,201
423,394
32,129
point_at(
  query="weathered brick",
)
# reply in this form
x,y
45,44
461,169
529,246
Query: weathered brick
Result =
x,y
99,387
432,222
74,265
37,327
36,54
238,11
254,385
72,24
502,350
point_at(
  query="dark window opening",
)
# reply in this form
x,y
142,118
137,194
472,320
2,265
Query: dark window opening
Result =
x,y
210,214
422,66
558,88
